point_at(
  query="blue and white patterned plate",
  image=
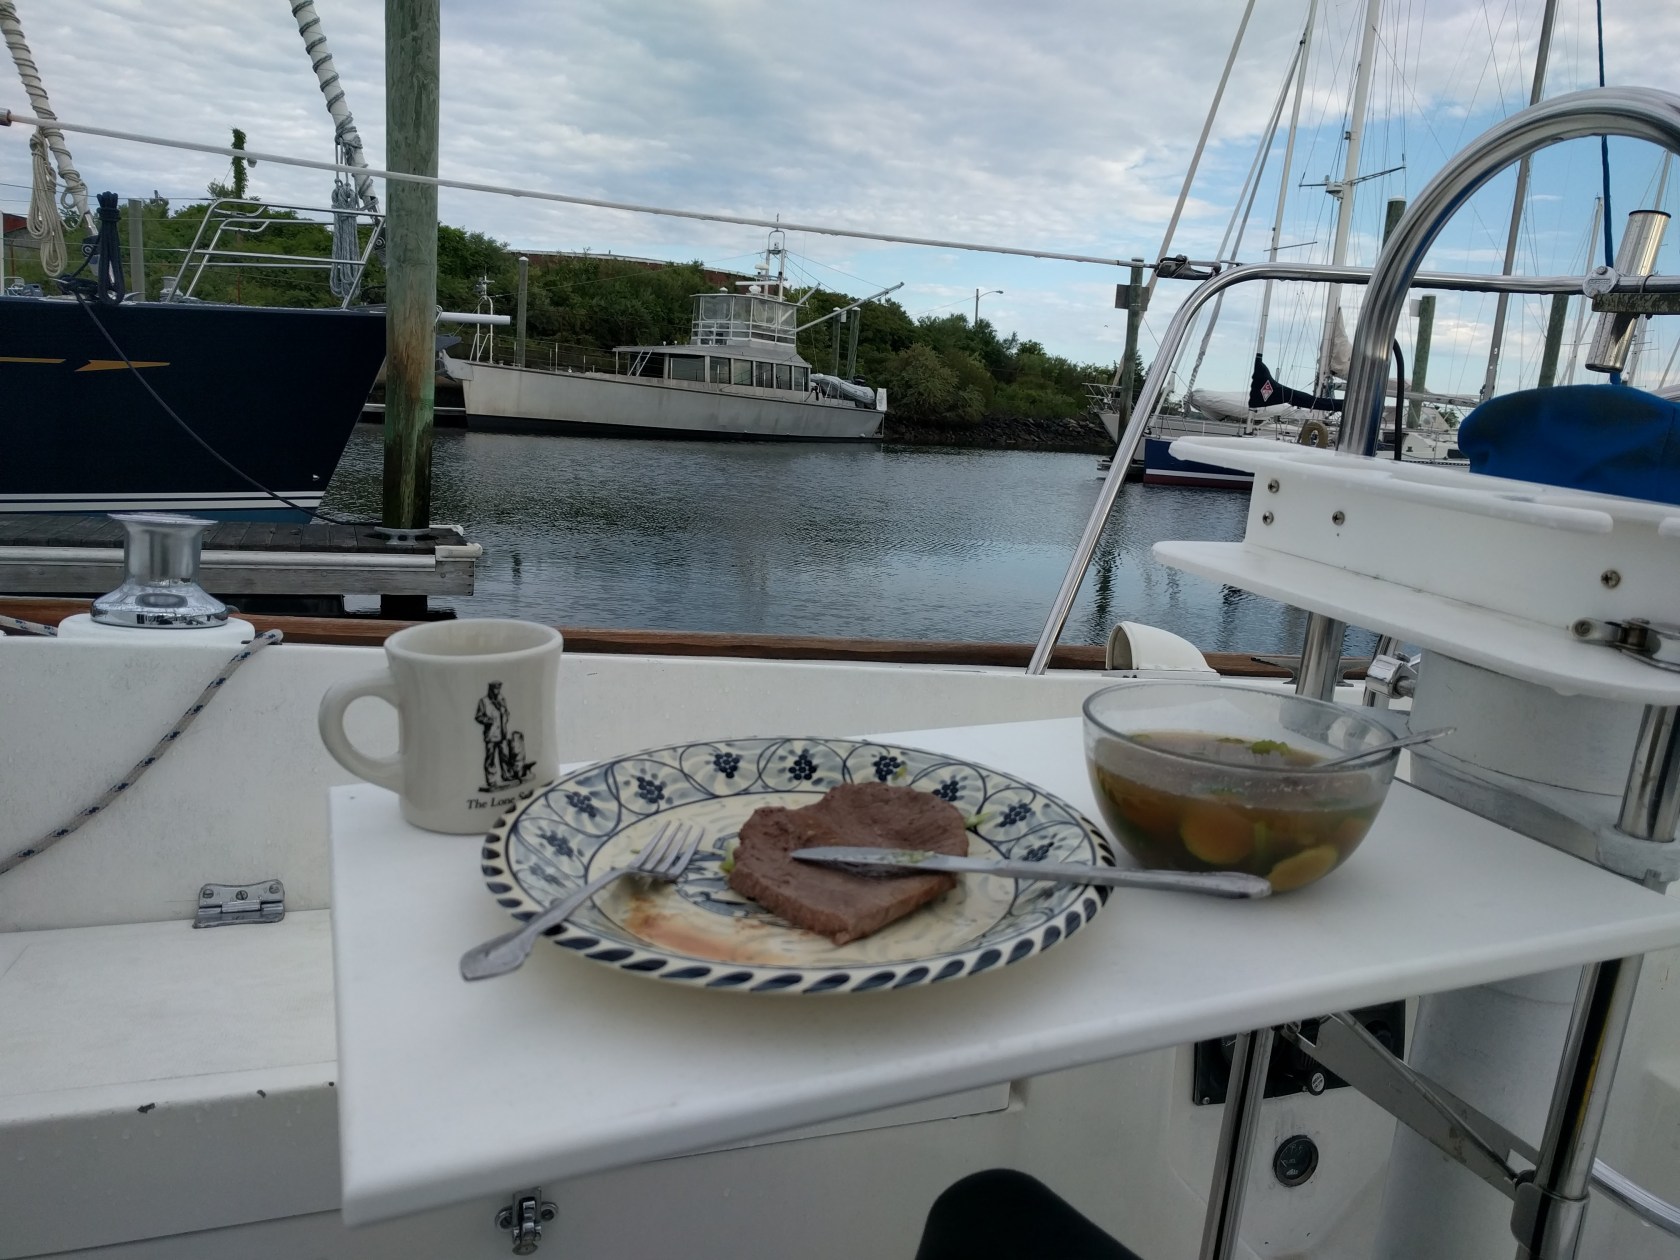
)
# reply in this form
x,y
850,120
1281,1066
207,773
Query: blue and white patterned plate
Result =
x,y
698,932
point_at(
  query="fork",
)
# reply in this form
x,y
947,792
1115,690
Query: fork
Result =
x,y
662,858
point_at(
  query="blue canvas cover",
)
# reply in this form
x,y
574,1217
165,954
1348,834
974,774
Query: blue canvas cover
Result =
x,y
1609,439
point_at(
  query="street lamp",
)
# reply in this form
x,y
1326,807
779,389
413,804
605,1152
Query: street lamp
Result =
x,y
977,296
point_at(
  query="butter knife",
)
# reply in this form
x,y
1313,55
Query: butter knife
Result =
x,y
910,861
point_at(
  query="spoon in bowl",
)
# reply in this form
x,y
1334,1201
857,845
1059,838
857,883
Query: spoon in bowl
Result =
x,y
1377,750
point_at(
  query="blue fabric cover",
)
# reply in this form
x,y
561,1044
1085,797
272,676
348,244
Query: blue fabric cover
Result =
x,y
1609,439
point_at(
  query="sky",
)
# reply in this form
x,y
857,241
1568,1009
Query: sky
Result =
x,y
1064,127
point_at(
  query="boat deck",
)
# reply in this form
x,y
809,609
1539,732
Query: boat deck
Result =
x,y
73,554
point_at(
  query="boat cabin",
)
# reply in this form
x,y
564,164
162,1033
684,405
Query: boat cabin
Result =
x,y
734,339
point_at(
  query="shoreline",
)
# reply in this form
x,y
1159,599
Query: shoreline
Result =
x,y
1077,435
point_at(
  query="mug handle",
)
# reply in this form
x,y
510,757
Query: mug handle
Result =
x,y
384,771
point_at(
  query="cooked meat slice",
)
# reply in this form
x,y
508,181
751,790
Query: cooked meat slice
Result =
x,y
836,904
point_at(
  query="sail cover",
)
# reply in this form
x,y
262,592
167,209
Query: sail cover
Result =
x,y
1264,391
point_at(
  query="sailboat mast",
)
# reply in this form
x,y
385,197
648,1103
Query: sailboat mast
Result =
x,y
1541,56
1344,191
1303,49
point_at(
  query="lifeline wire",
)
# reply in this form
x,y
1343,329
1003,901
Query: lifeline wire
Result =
x,y
266,639
8,117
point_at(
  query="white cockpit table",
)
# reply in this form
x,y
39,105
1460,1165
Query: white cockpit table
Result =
x,y
449,1090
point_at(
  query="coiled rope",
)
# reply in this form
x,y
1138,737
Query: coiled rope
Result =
x,y
46,841
45,223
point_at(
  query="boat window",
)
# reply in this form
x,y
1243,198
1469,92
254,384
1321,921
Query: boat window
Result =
x,y
784,376
764,375
802,379
645,364
720,371
740,371
688,367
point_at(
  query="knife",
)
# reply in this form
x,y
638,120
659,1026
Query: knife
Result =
x,y
911,861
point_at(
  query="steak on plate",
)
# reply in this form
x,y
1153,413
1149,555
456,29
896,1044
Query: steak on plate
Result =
x,y
832,902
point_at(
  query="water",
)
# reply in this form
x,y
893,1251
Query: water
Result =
x,y
842,540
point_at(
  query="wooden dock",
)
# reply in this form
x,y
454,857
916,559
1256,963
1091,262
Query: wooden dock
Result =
x,y
82,555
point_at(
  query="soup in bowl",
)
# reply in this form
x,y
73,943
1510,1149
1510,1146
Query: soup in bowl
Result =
x,y
1208,776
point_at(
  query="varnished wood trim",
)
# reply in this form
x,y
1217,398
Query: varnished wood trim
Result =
x,y
367,632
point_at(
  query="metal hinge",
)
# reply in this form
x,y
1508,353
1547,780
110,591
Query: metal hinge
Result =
x,y
1651,641
222,904
524,1218
1391,677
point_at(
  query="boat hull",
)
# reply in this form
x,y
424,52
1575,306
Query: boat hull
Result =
x,y
274,391
527,400
1160,468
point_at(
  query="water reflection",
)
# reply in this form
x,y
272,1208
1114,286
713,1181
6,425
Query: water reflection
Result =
x,y
827,540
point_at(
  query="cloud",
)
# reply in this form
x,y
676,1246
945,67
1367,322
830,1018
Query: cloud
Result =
x,y
1065,128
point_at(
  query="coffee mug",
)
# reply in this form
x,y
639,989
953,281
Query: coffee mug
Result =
x,y
475,703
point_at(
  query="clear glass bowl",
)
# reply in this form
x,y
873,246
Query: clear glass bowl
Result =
x,y
1207,776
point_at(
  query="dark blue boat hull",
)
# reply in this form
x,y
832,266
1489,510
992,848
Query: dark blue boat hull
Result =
x,y
274,391
1161,469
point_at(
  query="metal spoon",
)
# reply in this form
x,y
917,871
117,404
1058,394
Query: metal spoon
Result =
x,y
1377,750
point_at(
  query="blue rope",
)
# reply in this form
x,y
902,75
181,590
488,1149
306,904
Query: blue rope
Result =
x,y
1604,167
1604,152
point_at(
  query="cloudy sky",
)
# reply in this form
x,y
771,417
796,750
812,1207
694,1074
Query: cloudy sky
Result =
x,y
1064,126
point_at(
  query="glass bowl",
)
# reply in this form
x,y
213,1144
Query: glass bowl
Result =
x,y
1200,776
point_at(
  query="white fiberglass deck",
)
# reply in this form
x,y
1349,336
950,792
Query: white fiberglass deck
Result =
x,y
449,1090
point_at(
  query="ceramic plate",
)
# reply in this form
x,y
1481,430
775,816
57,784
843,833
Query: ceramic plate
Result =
x,y
698,932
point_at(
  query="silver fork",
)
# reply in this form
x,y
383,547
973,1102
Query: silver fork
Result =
x,y
662,858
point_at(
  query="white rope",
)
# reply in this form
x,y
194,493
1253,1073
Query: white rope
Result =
x,y
817,229
73,204
44,224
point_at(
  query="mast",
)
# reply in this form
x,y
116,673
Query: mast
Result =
x,y
1344,191
1195,161
1302,50
1541,56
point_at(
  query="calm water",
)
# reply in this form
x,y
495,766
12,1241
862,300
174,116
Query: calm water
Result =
x,y
903,543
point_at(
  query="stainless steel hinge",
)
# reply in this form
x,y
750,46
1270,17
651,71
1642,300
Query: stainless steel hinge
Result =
x,y
524,1218
222,904
1391,677
1653,642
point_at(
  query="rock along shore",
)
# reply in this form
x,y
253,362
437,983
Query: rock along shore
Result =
x,y
1080,434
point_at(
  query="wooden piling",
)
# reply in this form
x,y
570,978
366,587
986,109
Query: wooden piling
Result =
x,y
136,248
1420,356
411,145
1554,340
519,319
1134,321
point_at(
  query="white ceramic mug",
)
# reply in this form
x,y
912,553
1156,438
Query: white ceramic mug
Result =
x,y
475,701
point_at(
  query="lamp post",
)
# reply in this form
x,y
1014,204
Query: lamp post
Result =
x,y
977,296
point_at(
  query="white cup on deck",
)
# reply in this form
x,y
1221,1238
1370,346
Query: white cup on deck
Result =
x,y
475,701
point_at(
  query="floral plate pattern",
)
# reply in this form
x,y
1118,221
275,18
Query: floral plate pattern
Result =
x,y
700,933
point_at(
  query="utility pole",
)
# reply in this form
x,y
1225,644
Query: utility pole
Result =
x,y
519,329
1535,92
411,146
136,249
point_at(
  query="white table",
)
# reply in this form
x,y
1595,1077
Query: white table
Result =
x,y
449,1090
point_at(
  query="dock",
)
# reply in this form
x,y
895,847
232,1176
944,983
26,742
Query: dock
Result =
x,y
44,554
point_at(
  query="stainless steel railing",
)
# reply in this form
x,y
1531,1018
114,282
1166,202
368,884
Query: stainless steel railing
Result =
x,y
1172,343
